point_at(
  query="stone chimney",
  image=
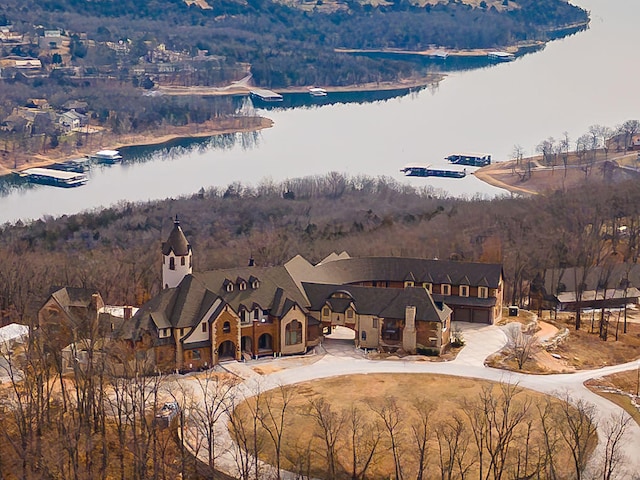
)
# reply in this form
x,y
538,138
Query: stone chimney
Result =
x,y
409,332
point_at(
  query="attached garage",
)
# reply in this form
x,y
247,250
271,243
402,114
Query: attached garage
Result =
x,y
481,316
461,314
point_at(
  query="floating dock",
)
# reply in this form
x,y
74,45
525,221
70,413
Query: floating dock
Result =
x,y
57,178
266,95
432,172
470,159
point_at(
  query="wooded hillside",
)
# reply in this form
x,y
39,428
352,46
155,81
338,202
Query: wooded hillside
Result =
x,y
117,250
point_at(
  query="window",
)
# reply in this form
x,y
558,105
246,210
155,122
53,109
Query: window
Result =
x,y
229,287
464,290
172,263
326,312
256,314
255,284
363,335
375,323
182,332
445,289
245,317
195,354
242,286
483,292
226,327
428,287
408,283
349,313
293,333
204,327
183,261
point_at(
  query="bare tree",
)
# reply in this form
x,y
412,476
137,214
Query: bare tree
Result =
x,y
453,442
391,416
362,439
214,392
519,344
615,430
329,424
576,420
274,419
421,431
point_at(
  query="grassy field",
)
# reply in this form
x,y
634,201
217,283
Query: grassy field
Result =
x,y
625,384
444,398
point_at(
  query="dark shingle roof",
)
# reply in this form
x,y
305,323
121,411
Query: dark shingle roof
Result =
x,y
366,269
382,302
177,242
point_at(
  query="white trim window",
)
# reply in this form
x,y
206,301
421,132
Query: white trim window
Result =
x,y
483,292
428,287
445,288
464,290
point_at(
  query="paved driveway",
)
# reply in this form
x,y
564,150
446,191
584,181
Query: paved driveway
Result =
x,y
481,341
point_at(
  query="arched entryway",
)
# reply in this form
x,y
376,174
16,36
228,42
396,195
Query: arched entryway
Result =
x,y
265,343
227,351
246,345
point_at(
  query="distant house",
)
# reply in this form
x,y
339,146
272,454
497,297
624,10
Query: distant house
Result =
x,y
70,314
601,287
72,119
392,304
52,40
20,63
77,105
40,103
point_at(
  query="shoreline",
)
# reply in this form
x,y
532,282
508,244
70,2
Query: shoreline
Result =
x,y
207,129
239,89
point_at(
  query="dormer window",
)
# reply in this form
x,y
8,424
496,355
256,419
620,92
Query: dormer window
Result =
x,y
183,261
408,284
428,287
483,292
255,284
464,290
326,312
349,313
445,288
228,285
242,286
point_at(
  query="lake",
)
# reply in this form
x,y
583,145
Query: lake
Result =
x,y
585,79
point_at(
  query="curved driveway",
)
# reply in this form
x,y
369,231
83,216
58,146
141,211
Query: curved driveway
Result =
x,y
481,341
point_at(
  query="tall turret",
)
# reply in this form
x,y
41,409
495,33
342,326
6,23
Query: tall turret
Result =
x,y
176,257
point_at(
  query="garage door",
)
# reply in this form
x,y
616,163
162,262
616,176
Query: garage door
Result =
x,y
462,315
480,316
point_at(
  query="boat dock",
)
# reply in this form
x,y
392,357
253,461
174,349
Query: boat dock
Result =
x,y
432,172
470,159
266,95
57,178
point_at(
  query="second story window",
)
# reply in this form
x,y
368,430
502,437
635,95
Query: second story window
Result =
x,y
172,263
445,289
483,292
464,290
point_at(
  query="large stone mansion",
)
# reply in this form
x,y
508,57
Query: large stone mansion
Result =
x,y
203,318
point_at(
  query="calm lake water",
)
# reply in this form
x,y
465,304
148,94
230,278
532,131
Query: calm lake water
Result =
x,y
584,79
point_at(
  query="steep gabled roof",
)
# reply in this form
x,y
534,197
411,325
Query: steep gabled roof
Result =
x,y
382,302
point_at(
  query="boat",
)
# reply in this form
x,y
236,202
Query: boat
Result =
x,y
432,172
109,156
57,178
317,92
470,159
266,95
501,56
439,54
78,166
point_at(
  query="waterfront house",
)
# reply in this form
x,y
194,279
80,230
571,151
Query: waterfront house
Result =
x,y
392,304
